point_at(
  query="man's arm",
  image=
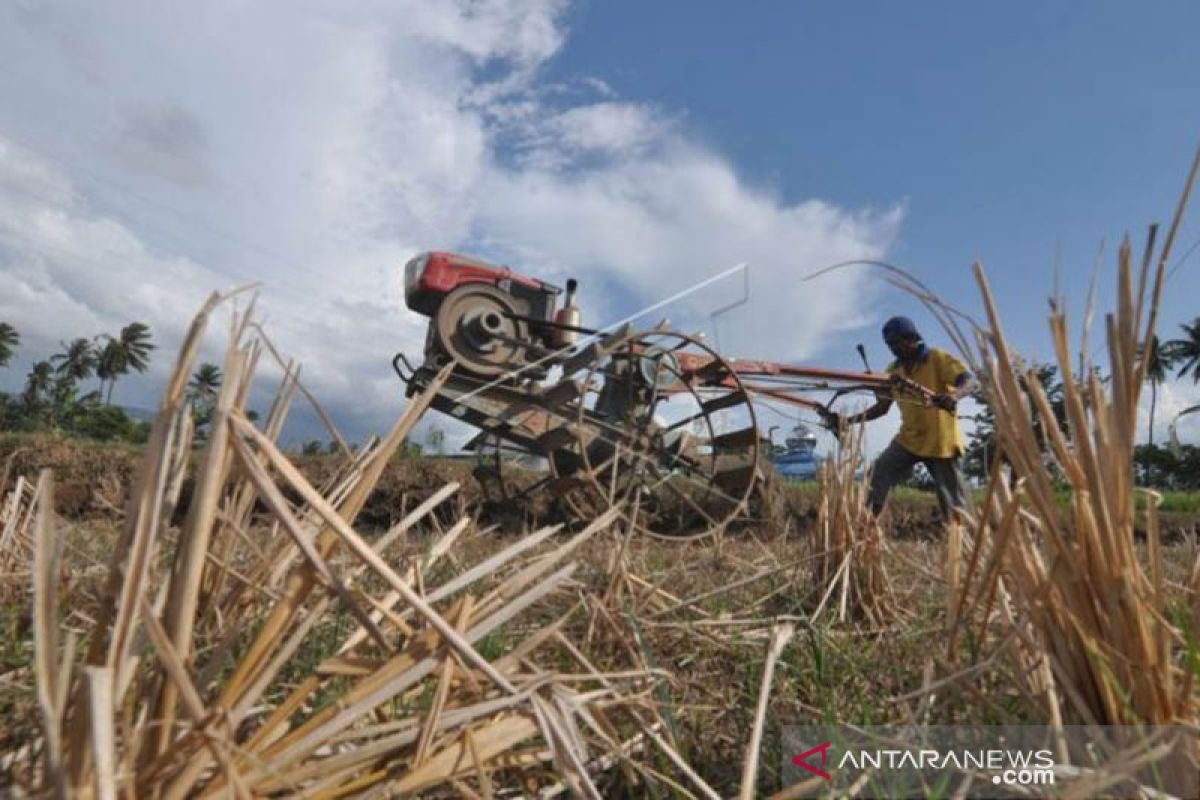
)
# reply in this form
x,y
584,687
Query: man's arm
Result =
x,y
836,421
964,385
953,371
881,407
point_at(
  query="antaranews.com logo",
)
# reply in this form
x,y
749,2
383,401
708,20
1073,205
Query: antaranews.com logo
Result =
x,y
1011,767
979,762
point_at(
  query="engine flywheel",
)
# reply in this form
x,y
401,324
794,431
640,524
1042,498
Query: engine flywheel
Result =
x,y
474,328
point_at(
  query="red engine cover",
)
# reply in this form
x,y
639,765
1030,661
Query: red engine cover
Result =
x,y
431,276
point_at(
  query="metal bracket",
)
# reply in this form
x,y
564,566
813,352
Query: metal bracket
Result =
x,y
396,361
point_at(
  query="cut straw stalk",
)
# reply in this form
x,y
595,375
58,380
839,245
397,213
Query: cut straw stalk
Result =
x,y
276,502
141,499
112,639
104,746
1091,621
1070,587
953,569
445,678
394,677
300,582
780,636
489,741
368,555
45,615
176,672
190,560
391,678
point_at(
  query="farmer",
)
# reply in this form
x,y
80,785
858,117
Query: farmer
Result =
x,y
929,434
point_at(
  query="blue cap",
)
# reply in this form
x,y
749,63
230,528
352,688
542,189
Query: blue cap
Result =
x,y
898,327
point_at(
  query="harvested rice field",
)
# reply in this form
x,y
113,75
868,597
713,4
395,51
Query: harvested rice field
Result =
x,y
215,617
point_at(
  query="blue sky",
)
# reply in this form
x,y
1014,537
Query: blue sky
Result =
x,y
151,154
1011,132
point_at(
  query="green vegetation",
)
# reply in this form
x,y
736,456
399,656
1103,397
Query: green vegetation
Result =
x,y
1184,352
1173,468
9,340
202,395
55,398
1183,502
130,350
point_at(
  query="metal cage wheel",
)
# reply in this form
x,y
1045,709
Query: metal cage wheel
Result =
x,y
689,484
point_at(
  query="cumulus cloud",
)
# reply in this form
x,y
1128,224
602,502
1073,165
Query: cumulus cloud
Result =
x,y
1174,397
597,133
70,272
663,221
149,154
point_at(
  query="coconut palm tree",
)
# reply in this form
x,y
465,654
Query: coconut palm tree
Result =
x,y
1158,361
136,345
77,361
110,362
9,339
1185,351
205,382
130,350
202,394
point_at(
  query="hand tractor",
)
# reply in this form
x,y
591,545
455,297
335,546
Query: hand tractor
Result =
x,y
652,418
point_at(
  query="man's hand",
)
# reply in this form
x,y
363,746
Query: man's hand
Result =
x,y
946,402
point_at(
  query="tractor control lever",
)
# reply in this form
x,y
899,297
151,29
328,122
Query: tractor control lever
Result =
x,y
862,353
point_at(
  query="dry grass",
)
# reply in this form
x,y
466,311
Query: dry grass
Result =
x,y
196,673
16,531
700,618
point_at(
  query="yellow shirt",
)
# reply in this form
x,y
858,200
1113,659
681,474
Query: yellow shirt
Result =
x,y
929,431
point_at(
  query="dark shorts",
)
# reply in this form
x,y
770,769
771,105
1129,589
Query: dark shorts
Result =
x,y
895,465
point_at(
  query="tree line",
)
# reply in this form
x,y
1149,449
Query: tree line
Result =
x,y
59,395
1176,466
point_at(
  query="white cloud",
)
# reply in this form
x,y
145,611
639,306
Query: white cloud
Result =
x,y
150,154
69,272
664,220
607,130
1174,396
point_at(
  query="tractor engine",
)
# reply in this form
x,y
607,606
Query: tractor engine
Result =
x,y
490,319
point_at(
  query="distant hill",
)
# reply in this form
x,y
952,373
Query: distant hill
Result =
x,y
139,414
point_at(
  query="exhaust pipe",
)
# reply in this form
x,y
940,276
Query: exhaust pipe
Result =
x,y
569,314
